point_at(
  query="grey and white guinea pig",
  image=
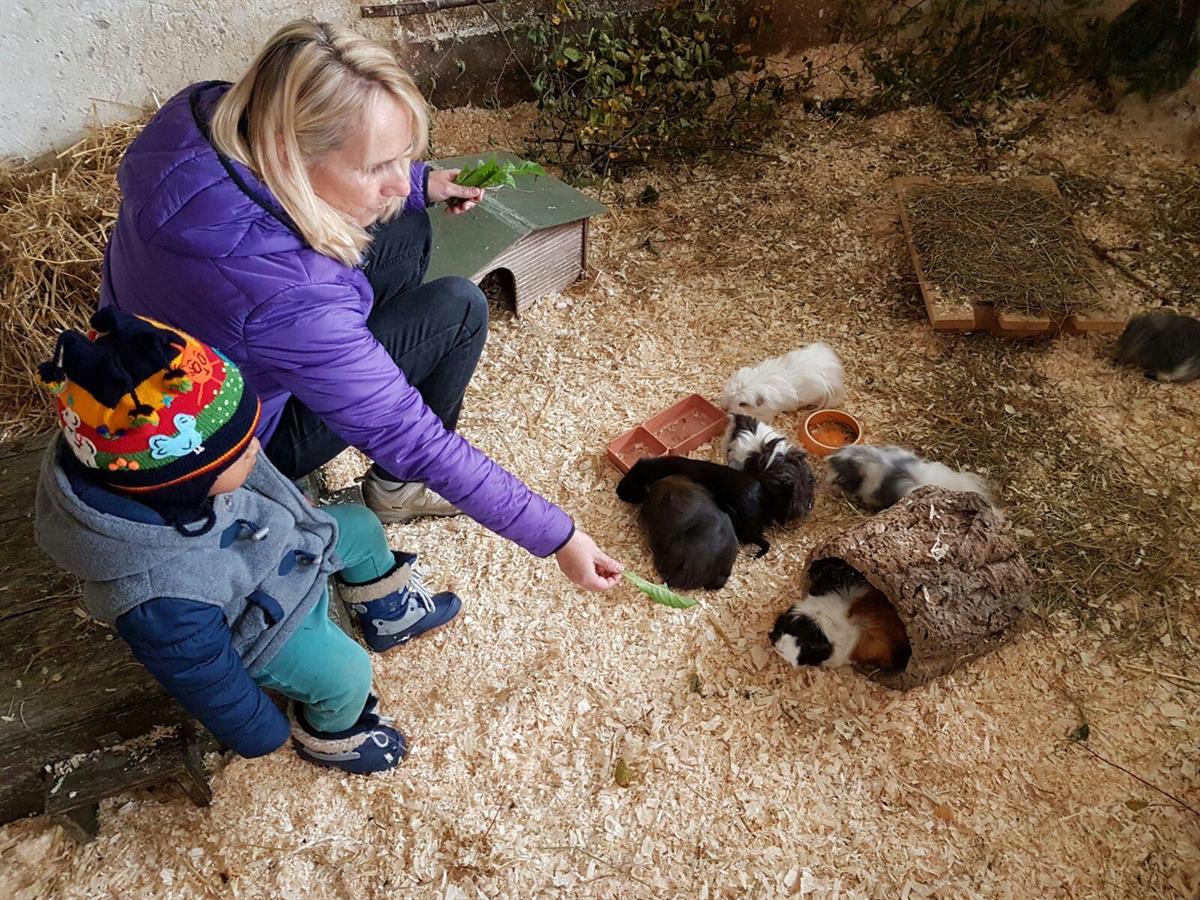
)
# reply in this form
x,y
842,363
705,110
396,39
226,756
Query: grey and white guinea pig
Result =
x,y
1164,345
842,620
878,477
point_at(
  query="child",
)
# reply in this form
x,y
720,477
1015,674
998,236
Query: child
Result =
x,y
210,563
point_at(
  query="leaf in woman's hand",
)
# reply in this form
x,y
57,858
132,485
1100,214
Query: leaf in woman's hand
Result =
x,y
493,174
660,593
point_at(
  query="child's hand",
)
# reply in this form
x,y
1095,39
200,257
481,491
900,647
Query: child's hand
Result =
x,y
587,565
458,197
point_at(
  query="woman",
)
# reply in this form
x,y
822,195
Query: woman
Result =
x,y
282,219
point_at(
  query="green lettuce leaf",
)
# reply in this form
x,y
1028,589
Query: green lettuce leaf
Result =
x,y
492,174
661,594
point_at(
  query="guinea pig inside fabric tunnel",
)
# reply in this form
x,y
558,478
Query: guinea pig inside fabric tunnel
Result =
x,y
938,579
842,620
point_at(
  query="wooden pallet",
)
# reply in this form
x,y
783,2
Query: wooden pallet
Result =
x,y
949,314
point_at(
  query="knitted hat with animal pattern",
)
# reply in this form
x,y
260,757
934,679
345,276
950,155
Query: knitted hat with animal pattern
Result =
x,y
150,411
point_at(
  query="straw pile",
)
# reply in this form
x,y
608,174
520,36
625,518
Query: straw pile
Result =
x,y
568,744
53,227
1006,243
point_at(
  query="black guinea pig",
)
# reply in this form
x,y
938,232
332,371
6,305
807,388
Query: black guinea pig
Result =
x,y
1164,345
738,494
691,539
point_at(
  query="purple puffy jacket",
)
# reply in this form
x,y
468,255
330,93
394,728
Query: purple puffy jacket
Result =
x,y
201,244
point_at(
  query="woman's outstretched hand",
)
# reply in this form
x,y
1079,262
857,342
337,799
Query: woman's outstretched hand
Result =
x,y
587,565
460,197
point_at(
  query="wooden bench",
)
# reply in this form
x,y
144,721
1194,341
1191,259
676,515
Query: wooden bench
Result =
x,y
77,711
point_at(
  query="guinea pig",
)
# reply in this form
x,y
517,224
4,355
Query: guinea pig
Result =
x,y
1164,345
789,486
843,620
810,376
746,435
738,494
880,476
691,539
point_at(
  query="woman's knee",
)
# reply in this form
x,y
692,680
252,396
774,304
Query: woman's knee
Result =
x,y
467,296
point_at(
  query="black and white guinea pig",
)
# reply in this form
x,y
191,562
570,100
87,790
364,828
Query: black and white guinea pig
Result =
x,y
789,486
843,620
1164,345
691,539
880,476
746,436
738,494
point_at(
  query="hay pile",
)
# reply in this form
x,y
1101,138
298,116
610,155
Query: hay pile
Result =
x,y
1006,243
569,744
53,227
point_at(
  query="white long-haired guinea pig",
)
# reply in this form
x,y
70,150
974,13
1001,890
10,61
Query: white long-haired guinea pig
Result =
x,y
1164,345
843,620
877,477
808,377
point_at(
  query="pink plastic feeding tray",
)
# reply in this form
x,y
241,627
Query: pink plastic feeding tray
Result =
x,y
677,430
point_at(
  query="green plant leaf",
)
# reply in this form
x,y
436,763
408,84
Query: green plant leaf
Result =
x,y
492,174
660,593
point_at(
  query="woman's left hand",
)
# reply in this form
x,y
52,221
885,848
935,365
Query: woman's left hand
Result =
x,y
442,187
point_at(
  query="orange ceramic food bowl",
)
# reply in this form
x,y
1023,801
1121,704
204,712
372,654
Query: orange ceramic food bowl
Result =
x,y
829,430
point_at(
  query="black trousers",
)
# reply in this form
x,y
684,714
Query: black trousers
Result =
x,y
435,332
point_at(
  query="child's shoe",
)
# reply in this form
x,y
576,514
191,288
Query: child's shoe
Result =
x,y
369,745
396,608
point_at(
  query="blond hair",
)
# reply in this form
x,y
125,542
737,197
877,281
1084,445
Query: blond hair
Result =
x,y
307,87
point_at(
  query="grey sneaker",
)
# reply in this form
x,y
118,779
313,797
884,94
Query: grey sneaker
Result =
x,y
402,501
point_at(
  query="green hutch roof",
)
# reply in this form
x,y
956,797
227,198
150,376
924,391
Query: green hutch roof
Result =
x,y
467,244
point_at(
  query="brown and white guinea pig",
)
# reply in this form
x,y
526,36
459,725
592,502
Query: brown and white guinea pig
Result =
x,y
843,620
756,448
878,477
1164,345
738,494
691,539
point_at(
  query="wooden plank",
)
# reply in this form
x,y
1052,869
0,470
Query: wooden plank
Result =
x,y
23,446
1015,325
944,314
57,669
22,772
542,263
18,480
74,798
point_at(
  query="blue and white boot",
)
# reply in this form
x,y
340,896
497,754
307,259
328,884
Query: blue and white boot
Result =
x,y
369,745
397,607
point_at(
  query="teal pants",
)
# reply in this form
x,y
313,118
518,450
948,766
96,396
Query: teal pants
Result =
x,y
320,666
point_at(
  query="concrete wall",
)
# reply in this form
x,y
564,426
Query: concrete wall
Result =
x,y
67,63
64,63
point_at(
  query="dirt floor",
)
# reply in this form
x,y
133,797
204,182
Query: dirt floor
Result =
x,y
750,779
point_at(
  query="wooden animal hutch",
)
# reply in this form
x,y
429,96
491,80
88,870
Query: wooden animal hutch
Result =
x,y
531,238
